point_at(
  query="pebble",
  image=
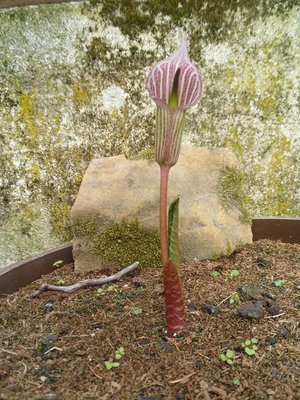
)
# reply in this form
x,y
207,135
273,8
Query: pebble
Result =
x,y
211,309
252,310
48,307
271,340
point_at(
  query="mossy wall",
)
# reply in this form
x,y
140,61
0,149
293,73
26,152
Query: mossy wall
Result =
x,y
72,87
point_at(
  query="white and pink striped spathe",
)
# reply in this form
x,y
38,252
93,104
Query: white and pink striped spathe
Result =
x,y
161,78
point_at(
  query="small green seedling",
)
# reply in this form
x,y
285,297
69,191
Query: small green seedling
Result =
x,y
61,282
236,381
279,282
57,263
232,274
119,353
136,310
214,274
117,356
249,346
235,298
111,364
228,356
111,288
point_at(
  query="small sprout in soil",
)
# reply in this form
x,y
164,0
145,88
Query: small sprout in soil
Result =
x,y
112,288
61,282
232,274
228,356
111,364
249,346
236,381
119,353
279,282
235,298
214,274
121,297
136,310
117,356
57,263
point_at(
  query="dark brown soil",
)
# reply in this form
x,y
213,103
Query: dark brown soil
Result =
x,y
58,352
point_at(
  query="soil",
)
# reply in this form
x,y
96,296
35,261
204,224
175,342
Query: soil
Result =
x,y
55,346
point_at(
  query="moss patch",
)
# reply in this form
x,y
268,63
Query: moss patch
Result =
x,y
121,244
231,192
147,154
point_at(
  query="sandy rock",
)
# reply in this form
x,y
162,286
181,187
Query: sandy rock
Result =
x,y
116,189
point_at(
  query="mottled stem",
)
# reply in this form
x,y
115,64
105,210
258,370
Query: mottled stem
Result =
x,y
164,241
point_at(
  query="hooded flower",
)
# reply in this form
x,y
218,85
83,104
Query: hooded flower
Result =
x,y
175,82
175,85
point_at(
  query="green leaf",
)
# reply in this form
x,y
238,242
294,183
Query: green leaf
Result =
x,y
118,356
57,263
250,351
223,357
108,364
236,381
173,232
121,350
214,274
136,310
230,353
111,364
111,288
248,342
234,273
254,340
279,282
229,361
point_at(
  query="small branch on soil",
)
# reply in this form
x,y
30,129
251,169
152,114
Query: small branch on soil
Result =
x,y
87,283
228,297
275,316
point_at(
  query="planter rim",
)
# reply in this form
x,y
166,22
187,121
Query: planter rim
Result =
x,y
23,272
25,3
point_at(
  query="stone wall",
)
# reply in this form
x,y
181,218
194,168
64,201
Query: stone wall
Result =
x,y
72,89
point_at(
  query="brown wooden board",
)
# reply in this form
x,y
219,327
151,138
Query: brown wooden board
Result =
x,y
285,229
26,271
24,3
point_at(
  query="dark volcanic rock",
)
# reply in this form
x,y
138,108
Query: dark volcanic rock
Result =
x,y
211,309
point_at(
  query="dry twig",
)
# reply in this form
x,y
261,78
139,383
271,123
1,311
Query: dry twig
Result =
x,y
87,283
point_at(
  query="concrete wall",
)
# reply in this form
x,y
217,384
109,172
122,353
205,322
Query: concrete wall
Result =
x,y
72,87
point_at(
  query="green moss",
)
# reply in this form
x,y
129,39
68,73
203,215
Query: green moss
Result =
x,y
27,111
147,154
231,192
60,220
120,244
233,142
81,95
279,181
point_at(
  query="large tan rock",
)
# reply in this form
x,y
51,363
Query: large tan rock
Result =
x,y
119,199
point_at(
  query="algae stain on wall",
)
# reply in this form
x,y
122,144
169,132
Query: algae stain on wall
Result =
x,y
72,88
